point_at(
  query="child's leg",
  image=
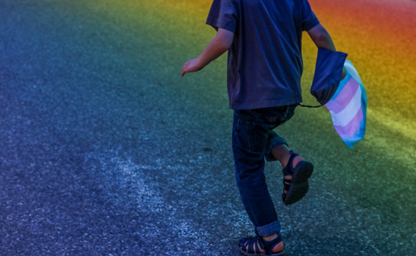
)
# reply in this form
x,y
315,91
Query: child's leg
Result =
x,y
282,154
248,142
253,140
251,134
278,149
296,170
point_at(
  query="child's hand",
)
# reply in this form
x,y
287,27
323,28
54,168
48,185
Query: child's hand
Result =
x,y
191,66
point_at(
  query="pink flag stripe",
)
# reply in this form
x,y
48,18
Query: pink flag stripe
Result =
x,y
344,97
345,116
352,127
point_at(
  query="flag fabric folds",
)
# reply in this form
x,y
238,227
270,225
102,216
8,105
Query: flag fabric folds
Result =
x,y
345,99
348,107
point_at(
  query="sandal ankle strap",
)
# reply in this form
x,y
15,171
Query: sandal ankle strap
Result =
x,y
269,245
288,170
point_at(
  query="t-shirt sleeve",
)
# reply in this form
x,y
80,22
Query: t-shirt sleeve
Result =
x,y
223,14
309,19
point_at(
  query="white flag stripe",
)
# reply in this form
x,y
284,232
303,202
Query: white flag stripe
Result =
x,y
349,112
351,69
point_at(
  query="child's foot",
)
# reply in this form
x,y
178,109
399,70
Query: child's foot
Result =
x,y
262,246
288,177
296,174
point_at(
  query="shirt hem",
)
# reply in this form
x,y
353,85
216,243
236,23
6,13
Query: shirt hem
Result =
x,y
265,104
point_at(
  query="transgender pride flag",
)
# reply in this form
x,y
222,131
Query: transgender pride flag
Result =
x,y
348,107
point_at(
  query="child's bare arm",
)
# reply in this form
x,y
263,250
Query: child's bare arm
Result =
x,y
219,45
322,39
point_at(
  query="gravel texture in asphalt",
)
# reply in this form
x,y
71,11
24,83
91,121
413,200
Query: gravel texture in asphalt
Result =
x,y
106,150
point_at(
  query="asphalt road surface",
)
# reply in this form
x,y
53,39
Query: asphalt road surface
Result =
x,y
106,150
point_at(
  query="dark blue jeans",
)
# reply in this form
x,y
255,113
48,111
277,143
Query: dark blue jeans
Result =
x,y
253,139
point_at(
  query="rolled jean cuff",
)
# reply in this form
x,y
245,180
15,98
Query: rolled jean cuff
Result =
x,y
268,229
275,141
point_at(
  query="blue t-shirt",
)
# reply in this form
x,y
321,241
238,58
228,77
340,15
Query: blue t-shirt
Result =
x,y
265,59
